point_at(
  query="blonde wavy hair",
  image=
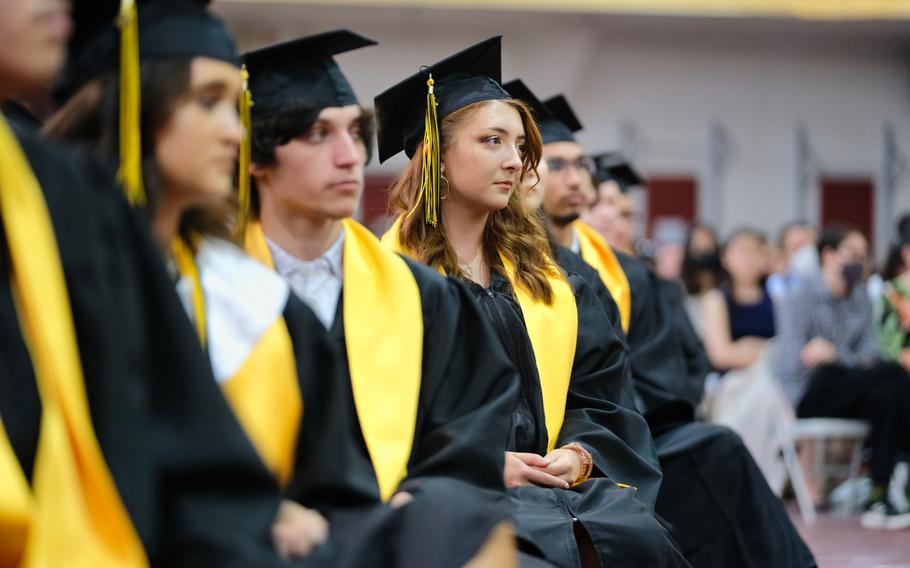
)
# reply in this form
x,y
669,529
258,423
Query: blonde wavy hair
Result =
x,y
513,232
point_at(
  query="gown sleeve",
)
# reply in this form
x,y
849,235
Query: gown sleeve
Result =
x,y
616,435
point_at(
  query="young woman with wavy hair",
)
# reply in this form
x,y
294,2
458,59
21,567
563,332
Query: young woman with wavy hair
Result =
x,y
574,452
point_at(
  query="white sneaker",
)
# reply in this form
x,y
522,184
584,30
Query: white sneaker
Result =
x,y
883,515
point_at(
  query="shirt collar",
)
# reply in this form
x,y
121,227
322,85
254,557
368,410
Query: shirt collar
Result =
x,y
286,263
576,244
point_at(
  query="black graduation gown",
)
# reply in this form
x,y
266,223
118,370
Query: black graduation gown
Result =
x,y
20,119
619,521
194,488
722,511
468,387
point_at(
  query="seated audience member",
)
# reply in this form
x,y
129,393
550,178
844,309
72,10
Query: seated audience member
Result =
x,y
701,269
894,329
828,362
797,258
738,322
738,317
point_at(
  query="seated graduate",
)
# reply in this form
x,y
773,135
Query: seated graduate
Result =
x,y
426,383
267,349
734,518
572,447
116,447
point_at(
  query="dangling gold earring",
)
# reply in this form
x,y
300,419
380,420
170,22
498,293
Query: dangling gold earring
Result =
x,y
446,194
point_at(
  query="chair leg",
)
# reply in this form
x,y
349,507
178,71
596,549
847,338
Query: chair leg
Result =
x,y
855,462
798,479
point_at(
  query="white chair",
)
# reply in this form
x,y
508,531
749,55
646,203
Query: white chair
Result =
x,y
820,431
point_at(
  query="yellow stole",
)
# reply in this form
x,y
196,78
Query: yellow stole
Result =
x,y
596,252
74,516
553,330
264,393
383,329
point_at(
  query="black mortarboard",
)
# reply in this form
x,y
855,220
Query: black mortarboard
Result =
x,y
110,35
562,124
471,75
302,73
519,90
166,28
614,166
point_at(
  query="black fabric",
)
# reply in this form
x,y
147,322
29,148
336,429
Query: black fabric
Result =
x,y
323,462
561,124
720,507
167,28
619,521
555,118
467,388
722,511
879,394
302,73
469,76
20,404
20,118
614,166
519,90
191,482
669,365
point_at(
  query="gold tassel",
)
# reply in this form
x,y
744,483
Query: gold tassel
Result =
x,y
430,165
243,176
130,173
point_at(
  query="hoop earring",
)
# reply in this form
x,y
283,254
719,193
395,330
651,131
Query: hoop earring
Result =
x,y
446,194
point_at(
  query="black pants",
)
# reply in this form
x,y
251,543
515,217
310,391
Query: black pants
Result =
x,y
879,394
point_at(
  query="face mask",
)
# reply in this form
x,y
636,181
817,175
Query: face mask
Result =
x,y
853,274
706,261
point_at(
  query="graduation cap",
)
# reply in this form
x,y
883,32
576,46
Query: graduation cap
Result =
x,y
614,166
409,112
107,35
302,73
561,124
519,90
165,28
471,75
555,118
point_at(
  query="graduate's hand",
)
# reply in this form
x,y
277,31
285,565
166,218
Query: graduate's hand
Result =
x,y
564,464
522,469
400,499
297,530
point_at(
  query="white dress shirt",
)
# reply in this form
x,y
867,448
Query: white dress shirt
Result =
x,y
317,282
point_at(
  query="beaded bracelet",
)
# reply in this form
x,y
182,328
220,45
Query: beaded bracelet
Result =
x,y
587,462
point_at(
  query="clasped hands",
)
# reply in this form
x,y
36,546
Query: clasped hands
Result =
x,y
559,468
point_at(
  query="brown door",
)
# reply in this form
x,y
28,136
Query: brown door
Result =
x,y
849,201
671,198
376,201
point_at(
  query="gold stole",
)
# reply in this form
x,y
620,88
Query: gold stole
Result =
x,y
596,252
264,393
75,515
553,330
383,329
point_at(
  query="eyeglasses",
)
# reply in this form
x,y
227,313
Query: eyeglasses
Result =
x,y
583,164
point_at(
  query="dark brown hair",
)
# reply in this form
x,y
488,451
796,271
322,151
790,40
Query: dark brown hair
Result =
x,y
279,128
513,231
92,115
894,265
